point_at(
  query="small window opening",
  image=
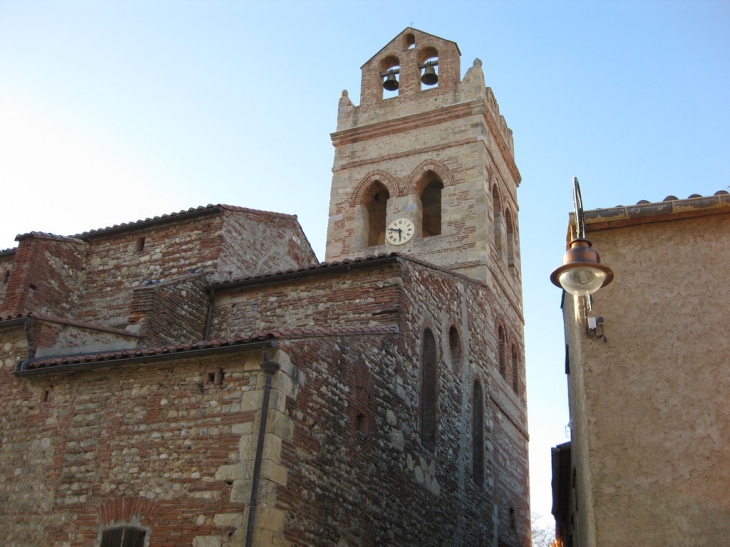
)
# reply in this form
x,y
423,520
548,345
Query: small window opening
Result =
x,y
477,433
33,287
377,214
515,372
362,425
455,347
47,394
510,242
428,391
6,277
214,377
124,536
497,209
410,41
139,246
502,353
431,206
512,519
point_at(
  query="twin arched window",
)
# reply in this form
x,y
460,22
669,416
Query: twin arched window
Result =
x,y
376,205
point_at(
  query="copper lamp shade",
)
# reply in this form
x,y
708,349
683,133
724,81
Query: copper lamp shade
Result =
x,y
582,273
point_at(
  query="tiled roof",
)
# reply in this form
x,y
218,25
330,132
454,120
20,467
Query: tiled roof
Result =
x,y
14,317
272,276
192,212
669,209
171,217
47,235
320,266
183,349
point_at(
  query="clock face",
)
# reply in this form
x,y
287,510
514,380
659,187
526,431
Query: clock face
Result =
x,y
399,231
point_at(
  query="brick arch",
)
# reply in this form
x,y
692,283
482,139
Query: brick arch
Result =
x,y
361,193
120,510
415,178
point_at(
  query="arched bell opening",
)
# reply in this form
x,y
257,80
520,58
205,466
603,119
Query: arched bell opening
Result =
x,y
428,62
390,76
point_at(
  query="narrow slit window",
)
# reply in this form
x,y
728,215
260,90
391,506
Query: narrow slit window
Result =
x,y
515,371
139,246
502,353
477,434
428,391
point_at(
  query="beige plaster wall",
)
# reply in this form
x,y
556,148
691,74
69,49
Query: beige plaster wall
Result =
x,y
651,412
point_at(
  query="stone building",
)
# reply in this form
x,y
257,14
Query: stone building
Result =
x,y
648,462
201,379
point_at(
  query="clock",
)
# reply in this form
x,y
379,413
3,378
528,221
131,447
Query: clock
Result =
x,y
399,231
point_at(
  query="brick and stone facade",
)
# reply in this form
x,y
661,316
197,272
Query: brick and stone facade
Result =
x,y
134,395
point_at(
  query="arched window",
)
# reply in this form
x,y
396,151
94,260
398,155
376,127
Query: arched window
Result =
x,y
122,536
477,433
428,391
502,353
455,348
510,241
515,371
377,207
497,210
431,204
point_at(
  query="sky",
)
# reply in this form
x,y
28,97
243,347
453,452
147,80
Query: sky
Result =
x,y
112,112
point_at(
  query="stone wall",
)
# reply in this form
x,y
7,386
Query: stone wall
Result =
x,y
160,433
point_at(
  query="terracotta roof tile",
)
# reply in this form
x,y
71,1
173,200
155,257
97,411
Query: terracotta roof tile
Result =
x,y
210,208
121,355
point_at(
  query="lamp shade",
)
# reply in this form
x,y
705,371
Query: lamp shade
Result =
x,y
582,272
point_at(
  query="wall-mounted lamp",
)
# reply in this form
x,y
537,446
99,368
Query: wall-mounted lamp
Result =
x,y
582,273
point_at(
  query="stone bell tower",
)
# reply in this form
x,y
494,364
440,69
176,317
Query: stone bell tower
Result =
x,y
426,170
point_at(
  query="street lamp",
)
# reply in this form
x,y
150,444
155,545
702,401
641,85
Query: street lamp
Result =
x,y
582,273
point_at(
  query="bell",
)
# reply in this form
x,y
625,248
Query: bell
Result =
x,y
390,83
429,75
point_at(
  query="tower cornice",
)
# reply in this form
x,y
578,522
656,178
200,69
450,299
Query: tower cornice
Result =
x,y
425,119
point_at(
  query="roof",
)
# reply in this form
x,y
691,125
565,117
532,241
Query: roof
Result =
x,y
323,267
176,216
156,220
403,32
183,351
645,212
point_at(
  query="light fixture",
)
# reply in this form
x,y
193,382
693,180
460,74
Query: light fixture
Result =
x,y
582,273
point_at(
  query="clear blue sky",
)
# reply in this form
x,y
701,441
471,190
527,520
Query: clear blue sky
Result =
x,y
115,111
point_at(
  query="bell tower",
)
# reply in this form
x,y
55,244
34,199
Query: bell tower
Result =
x,y
427,168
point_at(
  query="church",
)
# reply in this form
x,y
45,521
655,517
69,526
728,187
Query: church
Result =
x,y
201,379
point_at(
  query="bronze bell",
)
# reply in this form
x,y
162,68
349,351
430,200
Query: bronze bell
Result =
x,y
390,83
429,75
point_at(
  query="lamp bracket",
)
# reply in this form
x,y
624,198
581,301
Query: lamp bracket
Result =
x,y
580,227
